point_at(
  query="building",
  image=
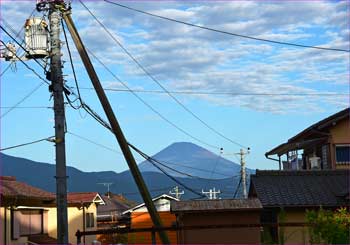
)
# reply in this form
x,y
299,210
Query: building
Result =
x,y
24,213
225,218
323,145
29,215
286,195
111,214
140,218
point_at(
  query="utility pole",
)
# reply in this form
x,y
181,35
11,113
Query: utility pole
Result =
x,y
57,91
116,129
212,193
177,192
243,154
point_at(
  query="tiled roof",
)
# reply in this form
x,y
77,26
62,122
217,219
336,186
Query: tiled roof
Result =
x,y
215,205
11,188
114,203
301,188
82,197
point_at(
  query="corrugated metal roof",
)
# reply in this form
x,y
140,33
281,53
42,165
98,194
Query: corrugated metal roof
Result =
x,y
214,205
301,188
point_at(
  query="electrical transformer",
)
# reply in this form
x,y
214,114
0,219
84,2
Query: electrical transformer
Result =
x,y
36,38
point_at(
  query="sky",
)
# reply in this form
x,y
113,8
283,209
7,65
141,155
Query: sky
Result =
x,y
184,58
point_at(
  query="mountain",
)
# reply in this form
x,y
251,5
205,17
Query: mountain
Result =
x,y
194,160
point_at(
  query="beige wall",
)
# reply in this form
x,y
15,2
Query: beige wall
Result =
x,y
21,240
341,132
294,235
340,135
75,222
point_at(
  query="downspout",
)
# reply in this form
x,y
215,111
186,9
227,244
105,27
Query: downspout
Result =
x,y
5,225
274,159
84,222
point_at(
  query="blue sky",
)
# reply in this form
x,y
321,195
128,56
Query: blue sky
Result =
x,y
190,59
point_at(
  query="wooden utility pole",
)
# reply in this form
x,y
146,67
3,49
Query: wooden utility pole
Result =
x,y
116,129
57,91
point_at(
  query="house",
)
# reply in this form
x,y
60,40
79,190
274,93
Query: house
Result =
x,y
286,195
29,216
226,219
82,214
111,214
24,213
140,218
323,145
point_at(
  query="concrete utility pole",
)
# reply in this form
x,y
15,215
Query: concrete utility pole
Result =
x,y
57,91
243,154
177,192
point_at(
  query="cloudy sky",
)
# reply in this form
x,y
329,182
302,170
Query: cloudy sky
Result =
x,y
260,93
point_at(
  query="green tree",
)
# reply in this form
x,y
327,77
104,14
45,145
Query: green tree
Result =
x,y
331,227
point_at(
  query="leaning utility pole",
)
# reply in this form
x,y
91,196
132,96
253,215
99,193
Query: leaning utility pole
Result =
x,y
243,173
116,129
57,91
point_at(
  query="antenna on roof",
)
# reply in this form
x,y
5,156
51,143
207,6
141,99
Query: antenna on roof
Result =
x,y
108,184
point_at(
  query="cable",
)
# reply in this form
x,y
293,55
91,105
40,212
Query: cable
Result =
x,y
152,108
27,107
23,99
29,143
71,61
236,191
2,28
220,92
226,32
164,172
27,66
157,82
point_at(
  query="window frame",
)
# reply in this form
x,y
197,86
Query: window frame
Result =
x,y
335,153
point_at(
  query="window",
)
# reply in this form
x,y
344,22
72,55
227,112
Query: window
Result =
x,y
342,154
27,222
90,220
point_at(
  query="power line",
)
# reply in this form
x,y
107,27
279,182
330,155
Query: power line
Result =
x,y
26,65
159,84
226,32
237,188
219,92
21,100
26,107
20,45
164,172
152,108
50,139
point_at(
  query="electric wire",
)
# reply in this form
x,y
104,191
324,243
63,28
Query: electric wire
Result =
x,y
164,172
22,100
152,108
158,83
218,92
28,143
237,188
27,66
20,45
227,32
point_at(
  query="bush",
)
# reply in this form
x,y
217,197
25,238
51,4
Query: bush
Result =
x,y
331,227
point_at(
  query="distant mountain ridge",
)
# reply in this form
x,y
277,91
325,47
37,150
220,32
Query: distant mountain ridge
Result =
x,y
188,158
193,159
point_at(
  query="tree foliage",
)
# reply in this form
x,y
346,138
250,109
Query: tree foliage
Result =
x,y
330,227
